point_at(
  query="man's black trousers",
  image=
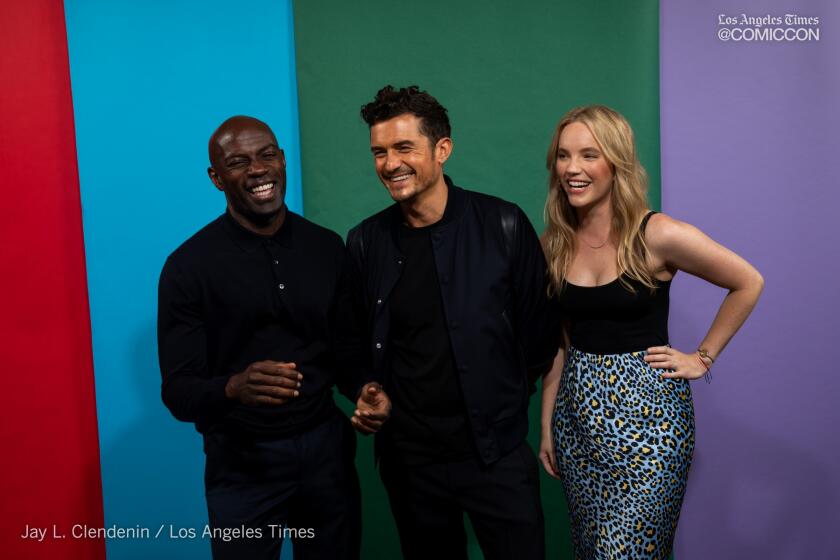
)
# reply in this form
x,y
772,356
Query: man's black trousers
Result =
x,y
302,487
502,501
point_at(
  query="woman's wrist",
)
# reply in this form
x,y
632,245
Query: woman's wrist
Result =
x,y
707,357
706,361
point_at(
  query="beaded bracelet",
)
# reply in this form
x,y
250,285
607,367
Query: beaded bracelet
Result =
x,y
705,354
701,354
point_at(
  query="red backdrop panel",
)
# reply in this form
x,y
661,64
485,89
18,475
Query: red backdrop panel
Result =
x,y
50,462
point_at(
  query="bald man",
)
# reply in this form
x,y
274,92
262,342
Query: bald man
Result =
x,y
255,326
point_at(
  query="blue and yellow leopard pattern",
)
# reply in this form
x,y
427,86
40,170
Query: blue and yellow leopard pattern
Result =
x,y
624,437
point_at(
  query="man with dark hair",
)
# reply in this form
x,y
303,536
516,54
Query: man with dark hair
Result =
x,y
255,325
459,328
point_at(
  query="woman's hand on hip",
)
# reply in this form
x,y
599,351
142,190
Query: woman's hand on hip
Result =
x,y
681,365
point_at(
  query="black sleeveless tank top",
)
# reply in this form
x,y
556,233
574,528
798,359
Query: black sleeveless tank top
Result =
x,y
610,319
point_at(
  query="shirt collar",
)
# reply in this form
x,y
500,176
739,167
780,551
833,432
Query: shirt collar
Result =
x,y
249,241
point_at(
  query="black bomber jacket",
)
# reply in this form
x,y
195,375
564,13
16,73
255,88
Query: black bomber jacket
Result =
x,y
503,328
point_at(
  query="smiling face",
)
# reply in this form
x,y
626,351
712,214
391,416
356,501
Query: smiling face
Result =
x,y
406,161
584,172
249,167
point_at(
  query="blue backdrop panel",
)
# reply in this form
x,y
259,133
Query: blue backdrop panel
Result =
x,y
151,80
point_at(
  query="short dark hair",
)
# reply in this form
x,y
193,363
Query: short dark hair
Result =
x,y
390,103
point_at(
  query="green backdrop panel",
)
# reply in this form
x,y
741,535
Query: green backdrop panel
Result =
x,y
507,72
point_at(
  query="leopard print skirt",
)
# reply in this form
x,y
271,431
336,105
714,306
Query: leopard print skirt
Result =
x,y
624,438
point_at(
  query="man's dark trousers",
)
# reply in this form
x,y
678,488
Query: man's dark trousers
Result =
x,y
502,501
304,483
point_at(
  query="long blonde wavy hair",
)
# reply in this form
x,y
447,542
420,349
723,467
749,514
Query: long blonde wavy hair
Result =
x,y
614,136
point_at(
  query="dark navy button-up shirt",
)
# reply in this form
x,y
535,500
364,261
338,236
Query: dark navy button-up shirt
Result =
x,y
229,297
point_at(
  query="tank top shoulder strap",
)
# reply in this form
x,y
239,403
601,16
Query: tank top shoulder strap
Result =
x,y
645,220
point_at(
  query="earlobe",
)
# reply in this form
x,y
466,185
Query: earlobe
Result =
x,y
444,149
215,178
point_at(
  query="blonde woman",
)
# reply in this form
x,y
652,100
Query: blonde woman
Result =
x,y
617,415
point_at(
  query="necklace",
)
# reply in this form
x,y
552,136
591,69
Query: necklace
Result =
x,y
596,246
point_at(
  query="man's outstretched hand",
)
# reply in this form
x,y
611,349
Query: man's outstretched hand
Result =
x,y
265,383
372,409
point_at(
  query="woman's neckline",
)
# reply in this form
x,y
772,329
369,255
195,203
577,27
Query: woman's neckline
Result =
x,y
611,282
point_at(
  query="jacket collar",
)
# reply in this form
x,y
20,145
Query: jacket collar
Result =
x,y
455,203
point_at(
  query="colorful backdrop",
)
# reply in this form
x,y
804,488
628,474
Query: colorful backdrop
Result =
x,y
748,153
106,111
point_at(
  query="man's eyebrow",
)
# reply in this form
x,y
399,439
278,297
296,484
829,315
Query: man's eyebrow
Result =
x,y
398,144
270,146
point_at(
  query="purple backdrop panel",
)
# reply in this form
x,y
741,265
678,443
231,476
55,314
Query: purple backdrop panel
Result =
x,y
749,154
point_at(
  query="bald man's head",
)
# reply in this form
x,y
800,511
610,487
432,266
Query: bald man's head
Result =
x,y
249,167
231,127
